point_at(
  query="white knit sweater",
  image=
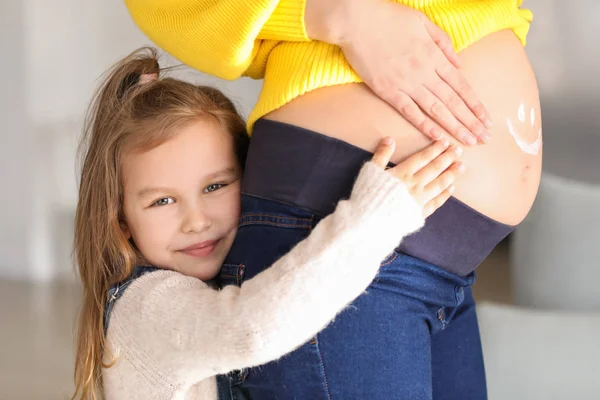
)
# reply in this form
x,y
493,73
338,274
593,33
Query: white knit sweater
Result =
x,y
173,333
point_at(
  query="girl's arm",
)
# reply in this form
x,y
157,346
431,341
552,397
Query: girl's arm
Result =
x,y
191,332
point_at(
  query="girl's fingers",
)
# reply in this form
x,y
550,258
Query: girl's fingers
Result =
x,y
417,161
437,167
384,152
438,201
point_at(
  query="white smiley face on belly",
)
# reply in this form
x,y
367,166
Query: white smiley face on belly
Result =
x,y
532,148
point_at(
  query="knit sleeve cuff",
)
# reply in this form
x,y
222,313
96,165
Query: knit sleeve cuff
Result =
x,y
286,22
379,196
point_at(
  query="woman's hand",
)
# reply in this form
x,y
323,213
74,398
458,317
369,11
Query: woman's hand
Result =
x,y
429,174
407,60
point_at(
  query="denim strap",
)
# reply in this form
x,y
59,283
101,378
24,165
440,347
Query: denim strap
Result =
x,y
116,291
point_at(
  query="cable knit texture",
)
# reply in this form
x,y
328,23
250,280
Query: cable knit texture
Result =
x,y
267,39
173,333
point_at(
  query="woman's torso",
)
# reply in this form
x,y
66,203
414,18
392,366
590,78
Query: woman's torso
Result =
x,y
501,180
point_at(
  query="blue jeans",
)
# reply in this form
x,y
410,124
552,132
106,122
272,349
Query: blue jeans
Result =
x,y
412,335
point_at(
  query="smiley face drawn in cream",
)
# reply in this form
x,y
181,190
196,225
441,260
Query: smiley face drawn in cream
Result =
x,y
532,148
521,113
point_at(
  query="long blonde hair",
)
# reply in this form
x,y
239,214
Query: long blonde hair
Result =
x,y
128,112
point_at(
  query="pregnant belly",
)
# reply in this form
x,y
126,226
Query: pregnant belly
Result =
x,y
502,176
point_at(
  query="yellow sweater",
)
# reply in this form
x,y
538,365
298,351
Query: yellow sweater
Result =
x,y
267,39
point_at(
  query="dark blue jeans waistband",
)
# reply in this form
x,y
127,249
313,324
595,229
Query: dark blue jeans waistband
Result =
x,y
312,171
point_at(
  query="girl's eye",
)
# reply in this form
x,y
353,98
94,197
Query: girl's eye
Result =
x,y
164,201
213,187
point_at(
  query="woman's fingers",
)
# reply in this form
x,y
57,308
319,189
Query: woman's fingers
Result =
x,y
463,89
466,124
412,111
447,109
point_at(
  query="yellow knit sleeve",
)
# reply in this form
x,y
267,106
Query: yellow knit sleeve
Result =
x,y
218,37
286,23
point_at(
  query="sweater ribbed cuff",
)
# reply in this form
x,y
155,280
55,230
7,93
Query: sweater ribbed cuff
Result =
x,y
382,197
286,22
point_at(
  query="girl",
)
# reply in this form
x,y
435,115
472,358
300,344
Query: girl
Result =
x,y
158,210
339,75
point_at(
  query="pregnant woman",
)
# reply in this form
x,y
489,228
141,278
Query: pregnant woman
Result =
x,y
340,75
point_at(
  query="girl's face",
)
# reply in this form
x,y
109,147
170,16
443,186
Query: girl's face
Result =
x,y
182,200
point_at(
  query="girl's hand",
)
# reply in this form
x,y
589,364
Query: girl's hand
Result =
x,y
429,174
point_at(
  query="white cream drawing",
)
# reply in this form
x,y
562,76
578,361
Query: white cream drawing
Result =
x,y
532,148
